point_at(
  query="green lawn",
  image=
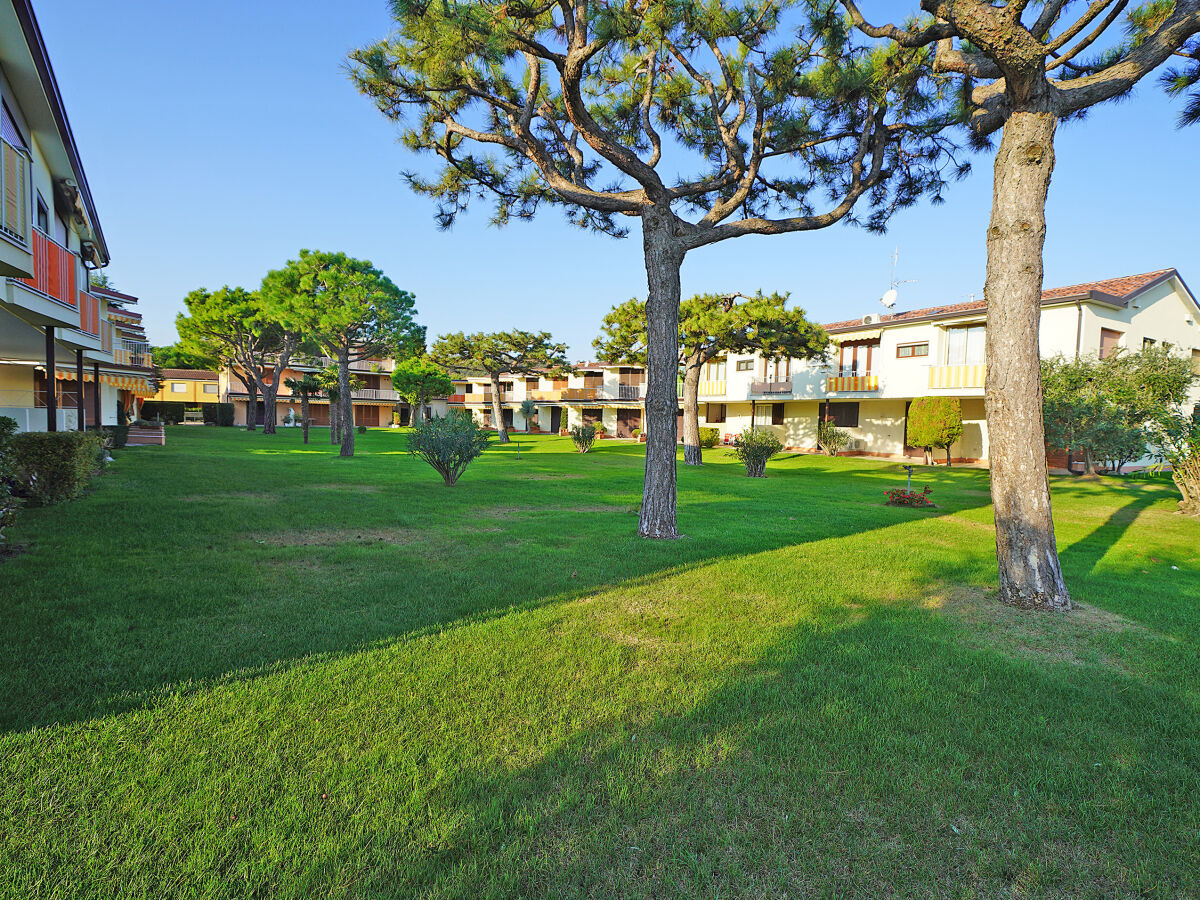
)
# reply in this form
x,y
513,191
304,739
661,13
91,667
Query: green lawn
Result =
x,y
244,668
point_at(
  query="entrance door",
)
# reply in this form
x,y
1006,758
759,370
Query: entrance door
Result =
x,y
627,420
508,419
555,419
260,415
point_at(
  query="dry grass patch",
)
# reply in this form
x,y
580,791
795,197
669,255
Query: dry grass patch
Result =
x,y
511,512
333,537
221,496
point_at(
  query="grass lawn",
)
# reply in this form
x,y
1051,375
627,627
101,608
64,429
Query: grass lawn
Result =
x,y
245,668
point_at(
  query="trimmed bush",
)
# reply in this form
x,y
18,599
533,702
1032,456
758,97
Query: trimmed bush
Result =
x,y
218,414
754,447
8,503
449,444
934,422
361,429
115,436
53,466
830,438
169,411
709,437
583,436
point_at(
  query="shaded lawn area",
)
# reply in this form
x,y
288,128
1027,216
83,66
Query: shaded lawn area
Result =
x,y
245,668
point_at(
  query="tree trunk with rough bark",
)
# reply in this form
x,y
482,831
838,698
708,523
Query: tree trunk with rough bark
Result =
x,y
948,463
335,421
1026,551
347,403
497,410
663,257
1089,462
304,415
692,454
269,393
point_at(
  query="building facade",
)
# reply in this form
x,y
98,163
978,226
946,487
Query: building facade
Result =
x,y
877,366
67,350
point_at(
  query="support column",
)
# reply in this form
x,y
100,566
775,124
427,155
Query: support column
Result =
x,y
79,401
51,383
96,393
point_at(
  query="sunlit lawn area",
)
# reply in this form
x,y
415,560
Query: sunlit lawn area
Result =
x,y
244,668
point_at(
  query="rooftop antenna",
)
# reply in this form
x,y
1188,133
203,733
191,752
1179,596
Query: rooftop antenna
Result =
x,y
890,296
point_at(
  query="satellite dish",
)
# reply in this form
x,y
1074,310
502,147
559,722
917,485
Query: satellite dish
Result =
x,y
889,297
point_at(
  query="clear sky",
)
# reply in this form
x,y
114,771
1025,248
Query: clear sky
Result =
x,y
221,137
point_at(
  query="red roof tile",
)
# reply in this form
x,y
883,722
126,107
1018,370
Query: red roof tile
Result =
x,y
194,374
1111,289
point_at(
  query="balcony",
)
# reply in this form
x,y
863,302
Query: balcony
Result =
x,y
485,397
54,269
456,398
89,314
958,376
771,387
852,383
376,394
132,355
712,388
630,391
14,194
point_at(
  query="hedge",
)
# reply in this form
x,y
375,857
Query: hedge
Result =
x,y
51,466
118,435
218,414
168,410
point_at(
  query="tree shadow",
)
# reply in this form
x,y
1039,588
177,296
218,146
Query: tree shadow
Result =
x,y
204,562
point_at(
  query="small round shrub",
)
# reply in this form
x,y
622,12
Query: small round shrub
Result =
x,y
448,443
362,429
754,447
709,437
583,436
830,438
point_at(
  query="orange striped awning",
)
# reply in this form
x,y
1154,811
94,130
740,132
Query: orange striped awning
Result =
x,y
139,386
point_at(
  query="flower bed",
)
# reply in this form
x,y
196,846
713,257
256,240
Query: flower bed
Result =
x,y
902,497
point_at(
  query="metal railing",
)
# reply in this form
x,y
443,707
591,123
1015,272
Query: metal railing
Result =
x,y
630,391
380,366
375,394
771,387
133,355
14,193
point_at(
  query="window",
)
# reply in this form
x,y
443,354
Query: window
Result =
x,y
907,351
856,359
715,370
776,413
745,365
210,389
43,215
1196,366
715,414
1147,343
1109,340
9,129
964,346
178,387
843,415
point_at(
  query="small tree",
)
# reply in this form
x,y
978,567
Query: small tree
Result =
x,y
1178,439
583,436
831,440
529,412
8,503
711,325
934,422
501,353
448,443
304,388
419,379
754,447
349,309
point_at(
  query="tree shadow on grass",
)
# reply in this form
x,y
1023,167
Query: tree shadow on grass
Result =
x,y
869,751
184,569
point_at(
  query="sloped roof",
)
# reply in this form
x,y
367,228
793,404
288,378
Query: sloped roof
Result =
x,y
192,374
1113,290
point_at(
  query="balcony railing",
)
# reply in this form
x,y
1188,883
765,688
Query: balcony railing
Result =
x,y
630,391
852,383
54,268
126,356
14,193
771,387
959,376
456,398
505,396
381,366
712,388
89,314
375,394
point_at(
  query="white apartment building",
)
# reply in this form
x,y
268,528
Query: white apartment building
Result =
x,y
877,366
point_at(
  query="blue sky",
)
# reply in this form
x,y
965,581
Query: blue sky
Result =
x,y
220,138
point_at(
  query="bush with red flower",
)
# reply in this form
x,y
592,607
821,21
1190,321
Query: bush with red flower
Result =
x,y
902,497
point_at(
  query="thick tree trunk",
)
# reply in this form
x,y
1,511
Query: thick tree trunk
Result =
x,y
692,455
304,415
269,394
251,404
347,403
497,410
1089,462
663,260
1026,552
335,421
948,463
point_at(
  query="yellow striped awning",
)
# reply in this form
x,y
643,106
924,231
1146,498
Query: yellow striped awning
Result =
x,y
851,336
139,386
